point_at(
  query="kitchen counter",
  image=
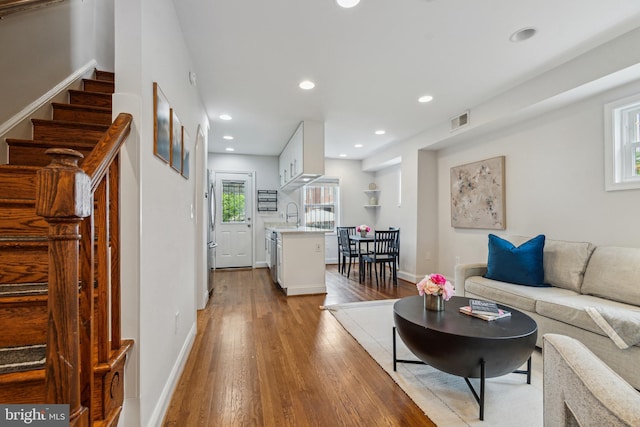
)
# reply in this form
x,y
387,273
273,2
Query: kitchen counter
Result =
x,y
291,229
300,259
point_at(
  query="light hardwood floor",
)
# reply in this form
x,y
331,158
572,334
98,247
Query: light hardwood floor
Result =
x,y
262,359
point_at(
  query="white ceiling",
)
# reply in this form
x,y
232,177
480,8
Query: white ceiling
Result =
x,y
370,63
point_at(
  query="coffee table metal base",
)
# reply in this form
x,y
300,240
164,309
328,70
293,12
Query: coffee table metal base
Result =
x,y
479,398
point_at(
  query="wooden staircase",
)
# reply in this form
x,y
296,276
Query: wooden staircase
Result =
x,y
59,260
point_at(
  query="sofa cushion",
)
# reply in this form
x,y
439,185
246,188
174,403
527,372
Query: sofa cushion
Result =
x,y
564,262
614,273
522,264
571,310
516,296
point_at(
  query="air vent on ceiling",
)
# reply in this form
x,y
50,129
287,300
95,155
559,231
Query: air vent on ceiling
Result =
x,y
460,121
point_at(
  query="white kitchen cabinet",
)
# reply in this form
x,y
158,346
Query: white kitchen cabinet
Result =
x,y
279,270
301,265
302,159
267,249
283,165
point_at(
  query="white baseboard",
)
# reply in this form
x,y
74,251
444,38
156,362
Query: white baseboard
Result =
x,y
307,290
30,109
165,397
409,277
130,415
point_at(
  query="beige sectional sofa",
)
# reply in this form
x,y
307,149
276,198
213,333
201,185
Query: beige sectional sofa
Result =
x,y
582,276
580,390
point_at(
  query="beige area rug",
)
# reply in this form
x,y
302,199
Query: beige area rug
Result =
x,y
444,398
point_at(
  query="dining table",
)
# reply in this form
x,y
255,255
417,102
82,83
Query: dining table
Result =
x,y
359,240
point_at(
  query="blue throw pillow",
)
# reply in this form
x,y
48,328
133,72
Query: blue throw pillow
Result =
x,y
521,265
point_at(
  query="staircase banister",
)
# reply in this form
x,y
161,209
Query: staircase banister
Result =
x,y
98,162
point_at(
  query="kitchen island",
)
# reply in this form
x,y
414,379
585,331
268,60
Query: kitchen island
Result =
x,y
300,260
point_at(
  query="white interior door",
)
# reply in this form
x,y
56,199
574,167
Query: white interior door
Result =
x,y
234,232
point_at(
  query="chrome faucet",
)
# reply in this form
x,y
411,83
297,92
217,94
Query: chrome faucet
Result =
x,y
297,215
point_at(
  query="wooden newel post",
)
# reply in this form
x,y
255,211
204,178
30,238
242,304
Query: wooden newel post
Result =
x,y
63,198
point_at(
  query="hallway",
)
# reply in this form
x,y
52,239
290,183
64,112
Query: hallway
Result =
x,y
261,359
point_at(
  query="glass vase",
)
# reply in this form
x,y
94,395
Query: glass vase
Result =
x,y
433,302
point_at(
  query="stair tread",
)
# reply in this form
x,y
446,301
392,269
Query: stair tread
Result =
x,y
80,107
89,92
23,358
104,75
21,168
69,123
22,289
44,142
9,201
23,239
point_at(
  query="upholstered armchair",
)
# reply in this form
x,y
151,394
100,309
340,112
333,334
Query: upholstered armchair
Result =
x,y
581,390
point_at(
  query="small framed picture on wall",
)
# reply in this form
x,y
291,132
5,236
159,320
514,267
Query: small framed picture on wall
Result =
x,y
161,124
176,142
186,150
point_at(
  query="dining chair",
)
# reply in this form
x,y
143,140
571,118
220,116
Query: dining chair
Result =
x,y
397,248
347,248
384,252
351,230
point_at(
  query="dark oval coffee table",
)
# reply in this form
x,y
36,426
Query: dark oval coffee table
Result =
x,y
464,345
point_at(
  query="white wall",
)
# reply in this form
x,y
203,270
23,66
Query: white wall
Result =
x,y
554,162
554,183
30,39
104,38
353,183
37,55
427,251
159,267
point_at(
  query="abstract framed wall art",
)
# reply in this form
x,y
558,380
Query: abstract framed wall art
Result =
x,y
161,124
478,195
176,142
186,150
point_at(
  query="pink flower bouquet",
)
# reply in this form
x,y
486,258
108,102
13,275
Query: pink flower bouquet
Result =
x,y
435,284
363,227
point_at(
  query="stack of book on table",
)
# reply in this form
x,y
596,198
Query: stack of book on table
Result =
x,y
486,310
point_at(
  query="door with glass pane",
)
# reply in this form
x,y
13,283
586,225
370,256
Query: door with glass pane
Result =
x,y
234,233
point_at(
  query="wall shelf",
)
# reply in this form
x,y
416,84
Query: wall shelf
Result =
x,y
372,196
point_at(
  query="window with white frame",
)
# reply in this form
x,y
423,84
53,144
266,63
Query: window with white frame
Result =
x,y
622,144
321,203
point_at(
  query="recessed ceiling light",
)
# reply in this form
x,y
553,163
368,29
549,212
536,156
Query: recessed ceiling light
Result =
x,y
343,155
229,137
381,132
358,146
225,117
425,98
307,84
523,34
230,149
347,3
